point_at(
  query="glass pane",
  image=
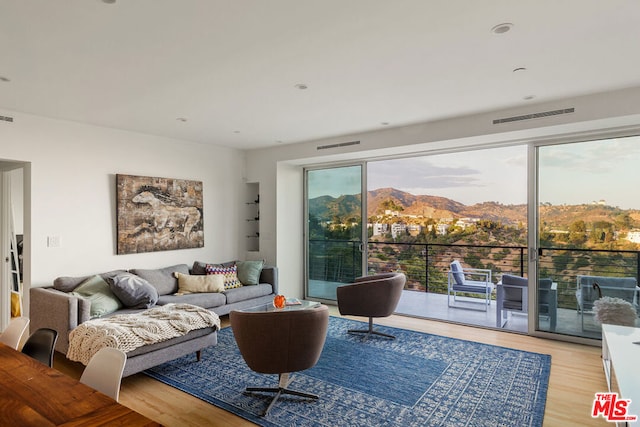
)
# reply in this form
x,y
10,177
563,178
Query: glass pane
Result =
x,y
425,212
589,238
334,206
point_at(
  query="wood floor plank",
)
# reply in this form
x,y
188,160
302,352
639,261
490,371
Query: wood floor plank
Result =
x,y
576,375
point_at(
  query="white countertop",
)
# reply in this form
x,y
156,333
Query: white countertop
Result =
x,y
625,358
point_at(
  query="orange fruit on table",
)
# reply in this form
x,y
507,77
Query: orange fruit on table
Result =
x,y
279,301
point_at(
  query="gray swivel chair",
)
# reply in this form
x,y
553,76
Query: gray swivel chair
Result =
x,y
371,296
280,342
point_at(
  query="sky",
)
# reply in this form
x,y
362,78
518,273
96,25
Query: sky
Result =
x,y
574,173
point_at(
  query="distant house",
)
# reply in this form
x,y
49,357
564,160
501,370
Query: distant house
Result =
x,y
414,229
379,229
398,228
634,236
442,229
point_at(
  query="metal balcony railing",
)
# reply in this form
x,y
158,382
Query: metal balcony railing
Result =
x,y
426,265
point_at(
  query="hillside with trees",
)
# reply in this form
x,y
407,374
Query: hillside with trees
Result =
x,y
578,226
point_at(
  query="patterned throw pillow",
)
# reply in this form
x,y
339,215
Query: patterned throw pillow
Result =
x,y
230,275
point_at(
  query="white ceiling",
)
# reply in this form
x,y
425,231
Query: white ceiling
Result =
x,y
230,66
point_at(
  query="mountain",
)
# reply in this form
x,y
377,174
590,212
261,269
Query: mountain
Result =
x,y
326,207
435,207
427,206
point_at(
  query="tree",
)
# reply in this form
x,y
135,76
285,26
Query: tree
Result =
x,y
578,233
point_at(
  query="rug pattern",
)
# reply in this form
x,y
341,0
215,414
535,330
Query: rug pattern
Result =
x,y
418,379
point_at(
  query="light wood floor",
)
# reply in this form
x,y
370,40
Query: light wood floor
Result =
x,y
576,375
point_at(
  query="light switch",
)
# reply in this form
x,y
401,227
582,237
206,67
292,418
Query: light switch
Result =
x,y
53,241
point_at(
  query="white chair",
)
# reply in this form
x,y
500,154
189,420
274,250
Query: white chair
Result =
x,y
104,371
469,281
12,335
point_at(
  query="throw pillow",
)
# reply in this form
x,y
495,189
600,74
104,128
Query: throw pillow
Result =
x,y
230,275
200,267
96,289
249,271
188,284
162,278
133,291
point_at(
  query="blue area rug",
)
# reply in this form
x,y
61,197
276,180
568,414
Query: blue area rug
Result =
x,y
416,380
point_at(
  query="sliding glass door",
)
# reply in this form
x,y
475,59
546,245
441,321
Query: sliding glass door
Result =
x,y
588,216
334,232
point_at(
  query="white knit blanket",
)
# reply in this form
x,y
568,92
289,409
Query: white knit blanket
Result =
x,y
132,330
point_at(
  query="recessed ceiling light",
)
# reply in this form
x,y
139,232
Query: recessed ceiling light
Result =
x,y
236,131
384,123
109,1
301,86
529,97
181,119
4,79
502,28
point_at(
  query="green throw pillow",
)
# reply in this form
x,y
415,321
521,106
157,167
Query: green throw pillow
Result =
x,y
249,271
96,289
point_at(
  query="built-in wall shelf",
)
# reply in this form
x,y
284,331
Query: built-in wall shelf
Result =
x,y
252,216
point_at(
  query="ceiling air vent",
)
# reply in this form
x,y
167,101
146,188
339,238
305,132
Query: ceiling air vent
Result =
x,y
342,144
6,118
534,116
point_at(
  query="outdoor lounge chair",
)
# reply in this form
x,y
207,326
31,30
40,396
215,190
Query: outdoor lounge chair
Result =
x,y
512,296
469,281
548,301
625,288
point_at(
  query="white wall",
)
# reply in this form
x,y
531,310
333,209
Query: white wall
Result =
x,y
280,169
70,193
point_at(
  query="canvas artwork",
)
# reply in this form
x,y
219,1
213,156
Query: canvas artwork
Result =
x,y
158,214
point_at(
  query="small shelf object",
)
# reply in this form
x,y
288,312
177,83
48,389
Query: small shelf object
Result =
x,y
252,218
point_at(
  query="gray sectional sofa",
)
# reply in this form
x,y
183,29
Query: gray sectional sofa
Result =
x,y
59,307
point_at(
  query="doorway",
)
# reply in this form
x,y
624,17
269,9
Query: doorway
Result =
x,y
12,240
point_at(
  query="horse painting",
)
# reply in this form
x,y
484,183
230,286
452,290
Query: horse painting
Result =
x,y
156,214
167,216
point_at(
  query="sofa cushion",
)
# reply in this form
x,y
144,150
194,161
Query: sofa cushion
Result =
x,y
200,267
249,271
96,290
458,274
206,300
230,275
68,284
188,284
247,292
162,279
133,291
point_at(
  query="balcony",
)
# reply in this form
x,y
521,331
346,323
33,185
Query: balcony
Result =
x,y
426,267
